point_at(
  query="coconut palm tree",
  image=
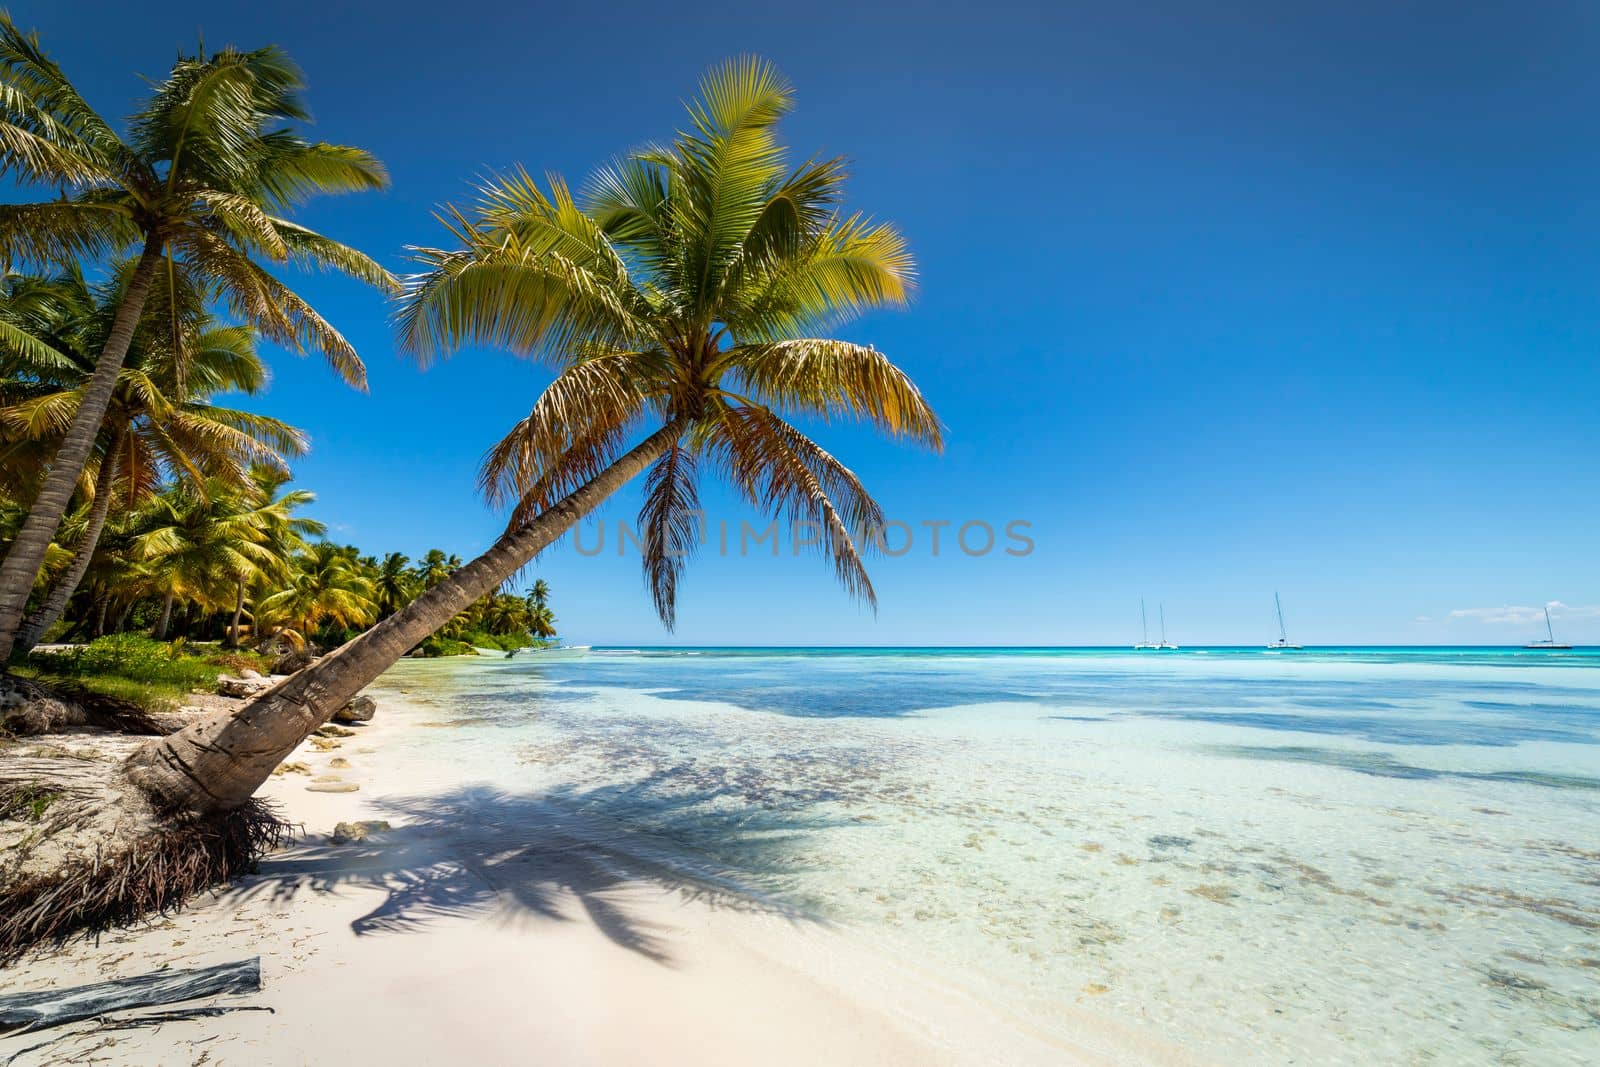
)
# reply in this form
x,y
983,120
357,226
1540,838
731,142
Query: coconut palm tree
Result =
x,y
34,312
506,614
393,583
542,622
203,176
198,540
677,303
326,587
538,594
283,534
159,421
435,567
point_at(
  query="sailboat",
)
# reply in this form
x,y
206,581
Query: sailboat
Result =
x,y
1549,641
1165,645
1283,642
1144,644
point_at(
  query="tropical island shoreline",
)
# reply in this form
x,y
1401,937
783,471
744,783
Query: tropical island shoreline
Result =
x,y
398,944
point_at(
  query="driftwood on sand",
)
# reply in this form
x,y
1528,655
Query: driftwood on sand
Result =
x,y
21,1012
28,709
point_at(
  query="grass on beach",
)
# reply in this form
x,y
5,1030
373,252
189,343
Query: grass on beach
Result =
x,y
156,675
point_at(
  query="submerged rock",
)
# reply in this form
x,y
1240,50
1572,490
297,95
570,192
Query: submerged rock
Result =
x,y
360,709
348,832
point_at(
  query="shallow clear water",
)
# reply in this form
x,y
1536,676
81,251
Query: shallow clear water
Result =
x,y
1362,855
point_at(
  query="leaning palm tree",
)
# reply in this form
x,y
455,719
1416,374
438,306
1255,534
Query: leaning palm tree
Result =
x,y
677,303
207,168
160,420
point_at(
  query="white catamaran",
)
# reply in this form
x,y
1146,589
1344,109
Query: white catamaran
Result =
x,y
1165,645
1549,640
1144,644
1282,643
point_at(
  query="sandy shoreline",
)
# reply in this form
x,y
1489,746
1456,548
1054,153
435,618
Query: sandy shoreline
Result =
x,y
488,926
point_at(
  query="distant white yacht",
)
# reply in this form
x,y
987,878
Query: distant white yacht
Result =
x,y
1144,644
1282,643
1165,645
1549,640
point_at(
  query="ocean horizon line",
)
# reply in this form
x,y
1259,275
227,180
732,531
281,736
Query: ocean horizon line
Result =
x,y
1125,647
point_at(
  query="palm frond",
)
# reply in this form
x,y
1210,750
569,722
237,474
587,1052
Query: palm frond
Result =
x,y
251,229
853,266
37,158
826,377
782,472
41,418
62,232
20,349
669,528
587,404
530,303
313,249
272,307
27,69
289,171
205,119
252,438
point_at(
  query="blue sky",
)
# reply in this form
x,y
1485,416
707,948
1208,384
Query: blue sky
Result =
x,y
1219,298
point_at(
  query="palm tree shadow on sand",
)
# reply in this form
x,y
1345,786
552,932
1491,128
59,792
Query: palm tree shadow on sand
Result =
x,y
518,858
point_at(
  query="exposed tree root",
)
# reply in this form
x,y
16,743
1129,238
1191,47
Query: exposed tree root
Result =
x,y
82,851
28,709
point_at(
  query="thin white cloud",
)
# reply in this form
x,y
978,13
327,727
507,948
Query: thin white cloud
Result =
x,y
1424,618
1525,616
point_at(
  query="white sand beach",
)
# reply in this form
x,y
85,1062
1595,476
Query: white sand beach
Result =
x,y
494,929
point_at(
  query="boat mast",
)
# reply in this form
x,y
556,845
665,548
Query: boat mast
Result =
x,y
1163,610
1547,627
1283,634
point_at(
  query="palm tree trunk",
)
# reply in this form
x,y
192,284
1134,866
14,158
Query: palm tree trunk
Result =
x,y
100,617
166,618
238,613
22,563
218,764
67,584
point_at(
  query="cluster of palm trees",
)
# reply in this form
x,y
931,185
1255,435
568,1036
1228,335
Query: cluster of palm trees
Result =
x,y
221,560
681,299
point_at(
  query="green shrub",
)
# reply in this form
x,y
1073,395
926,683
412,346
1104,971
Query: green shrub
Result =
x,y
504,642
235,660
445,646
133,657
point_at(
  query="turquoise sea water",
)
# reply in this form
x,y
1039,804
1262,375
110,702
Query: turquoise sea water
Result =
x,y
1332,856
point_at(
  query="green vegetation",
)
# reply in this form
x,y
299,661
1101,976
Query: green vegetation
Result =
x,y
199,184
133,657
155,675
27,803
